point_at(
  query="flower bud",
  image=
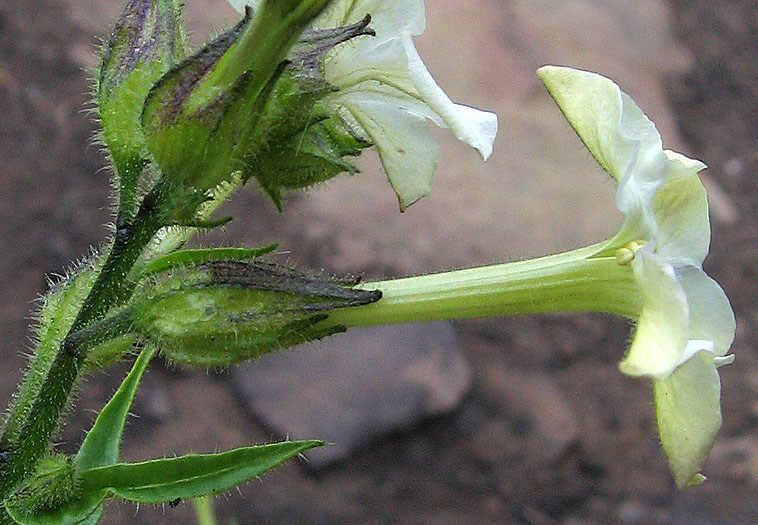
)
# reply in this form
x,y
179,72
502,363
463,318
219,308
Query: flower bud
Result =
x,y
54,484
221,312
306,141
147,41
203,116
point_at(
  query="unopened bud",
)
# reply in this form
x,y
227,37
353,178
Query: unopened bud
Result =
x,y
221,312
54,484
201,116
147,41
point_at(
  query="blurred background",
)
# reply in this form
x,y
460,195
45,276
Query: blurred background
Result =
x,y
523,420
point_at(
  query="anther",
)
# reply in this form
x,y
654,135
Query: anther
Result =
x,y
625,255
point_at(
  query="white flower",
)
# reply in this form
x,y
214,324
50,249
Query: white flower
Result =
x,y
387,95
686,324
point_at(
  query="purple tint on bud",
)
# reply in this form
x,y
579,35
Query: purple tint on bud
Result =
x,y
147,31
192,72
307,57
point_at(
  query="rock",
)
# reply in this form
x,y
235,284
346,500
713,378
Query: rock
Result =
x,y
356,387
157,404
534,398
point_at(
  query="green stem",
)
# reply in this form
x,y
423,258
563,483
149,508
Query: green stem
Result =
x,y
204,511
572,281
19,457
112,285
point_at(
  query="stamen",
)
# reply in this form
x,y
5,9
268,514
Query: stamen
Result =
x,y
625,255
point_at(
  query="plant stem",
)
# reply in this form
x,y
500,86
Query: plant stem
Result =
x,y
572,281
19,457
112,285
204,511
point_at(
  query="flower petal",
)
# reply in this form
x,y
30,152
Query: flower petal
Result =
x,y
681,213
365,59
620,137
687,405
470,125
711,316
661,336
609,123
681,166
401,137
395,64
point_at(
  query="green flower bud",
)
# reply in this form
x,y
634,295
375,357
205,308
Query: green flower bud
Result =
x,y
203,115
147,41
306,141
54,484
220,312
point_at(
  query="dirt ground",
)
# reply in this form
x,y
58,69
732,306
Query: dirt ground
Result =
x,y
487,462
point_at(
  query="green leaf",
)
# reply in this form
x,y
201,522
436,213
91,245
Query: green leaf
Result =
x,y
101,446
192,475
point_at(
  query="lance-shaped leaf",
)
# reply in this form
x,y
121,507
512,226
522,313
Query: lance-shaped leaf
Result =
x,y
223,311
192,475
100,448
147,41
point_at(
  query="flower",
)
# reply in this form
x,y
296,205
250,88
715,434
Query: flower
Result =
x,y
686,324
386,94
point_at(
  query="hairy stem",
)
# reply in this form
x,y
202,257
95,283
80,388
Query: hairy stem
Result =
x,y
19,456
204,511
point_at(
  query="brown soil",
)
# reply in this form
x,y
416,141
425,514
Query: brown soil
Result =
x,y
481,463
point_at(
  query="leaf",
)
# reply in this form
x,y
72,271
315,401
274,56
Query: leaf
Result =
x,y
192,475
100,448
101,445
